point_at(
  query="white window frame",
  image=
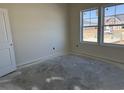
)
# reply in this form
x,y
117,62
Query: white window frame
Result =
x,y
100,34
81,27
109,44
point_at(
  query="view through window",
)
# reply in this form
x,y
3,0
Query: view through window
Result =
x,y
114,24
90,25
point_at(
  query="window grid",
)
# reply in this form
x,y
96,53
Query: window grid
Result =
x,y
115,34
101,24
91,25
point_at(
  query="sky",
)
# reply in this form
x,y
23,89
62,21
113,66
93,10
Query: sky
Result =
x,y
91,16
118,9
113,10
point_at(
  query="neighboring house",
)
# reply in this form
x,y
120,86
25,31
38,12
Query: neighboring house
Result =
x,y
111,33
111,20
114,33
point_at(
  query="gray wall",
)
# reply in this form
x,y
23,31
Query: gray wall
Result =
x,y
109,52
36,28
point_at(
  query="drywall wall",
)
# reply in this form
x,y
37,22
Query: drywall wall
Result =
x,y
109,52
36,29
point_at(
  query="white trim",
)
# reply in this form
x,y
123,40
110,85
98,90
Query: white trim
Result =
x,y
107,60
112,45
87,42
39,60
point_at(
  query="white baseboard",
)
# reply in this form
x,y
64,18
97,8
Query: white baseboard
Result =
x,y
117,63
39,60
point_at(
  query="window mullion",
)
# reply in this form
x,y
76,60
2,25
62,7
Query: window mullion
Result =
x,y
100,25
115,25
81,26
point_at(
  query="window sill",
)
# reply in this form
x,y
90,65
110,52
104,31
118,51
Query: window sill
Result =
x,y
112,45
102,45
86,43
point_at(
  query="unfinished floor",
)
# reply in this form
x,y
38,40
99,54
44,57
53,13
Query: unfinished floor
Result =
x,y
66,73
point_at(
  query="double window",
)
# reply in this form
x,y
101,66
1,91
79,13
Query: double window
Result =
x,y
103,25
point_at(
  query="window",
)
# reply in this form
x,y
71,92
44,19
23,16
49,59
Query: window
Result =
x,y
111,19
113,24
90,25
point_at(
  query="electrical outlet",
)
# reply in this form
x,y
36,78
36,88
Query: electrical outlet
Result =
x,y
77,45
54,48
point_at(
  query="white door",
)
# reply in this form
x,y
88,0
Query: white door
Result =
x,y
7,57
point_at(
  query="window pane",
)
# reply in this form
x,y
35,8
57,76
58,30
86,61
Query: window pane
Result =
x,y
86,22
114,15
114,34
86,14
120,14
94,22
90,18
90,25
109,11
94,14
120,9
90,34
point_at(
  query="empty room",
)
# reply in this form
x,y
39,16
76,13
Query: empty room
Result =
x,y
61,46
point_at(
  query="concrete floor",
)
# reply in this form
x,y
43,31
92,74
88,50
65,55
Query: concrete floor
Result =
x,y
66,73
